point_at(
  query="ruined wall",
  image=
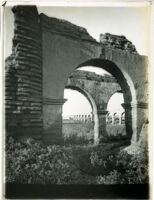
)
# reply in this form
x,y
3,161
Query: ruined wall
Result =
x,y
64,52
24,75
63,45
101,88
45,52
69,52
79,129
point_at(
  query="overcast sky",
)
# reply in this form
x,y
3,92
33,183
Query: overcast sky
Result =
x,y
130,22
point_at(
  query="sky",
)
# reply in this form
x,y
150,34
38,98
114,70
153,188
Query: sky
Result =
x,y
132,22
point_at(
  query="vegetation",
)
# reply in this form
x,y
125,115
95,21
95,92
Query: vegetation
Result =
x,y
78,140
31,162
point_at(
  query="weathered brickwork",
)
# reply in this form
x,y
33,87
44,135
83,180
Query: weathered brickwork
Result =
x,y
24,75
117,42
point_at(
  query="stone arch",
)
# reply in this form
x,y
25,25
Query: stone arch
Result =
x,y
94,109
111,94
127,88
118,91
123,117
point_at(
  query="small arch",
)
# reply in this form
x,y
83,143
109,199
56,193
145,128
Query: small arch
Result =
x,y
114,96
94,109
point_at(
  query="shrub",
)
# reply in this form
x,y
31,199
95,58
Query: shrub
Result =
x,y
137,170
31,162
114,177
96,160
102,164
126,169
75,139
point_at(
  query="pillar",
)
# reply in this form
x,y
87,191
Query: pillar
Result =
x,y
101,117
136,114
120,119
113,119
96,126
142,117
52,120
102,123
130,121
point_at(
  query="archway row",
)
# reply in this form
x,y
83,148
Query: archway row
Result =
x,y
127,88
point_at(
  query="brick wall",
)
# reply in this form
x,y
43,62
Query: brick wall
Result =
x,y
24,75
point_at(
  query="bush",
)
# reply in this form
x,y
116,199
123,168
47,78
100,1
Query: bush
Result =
x,y
137,171
124,168
31,162
102,164
97,160
114,177
78,140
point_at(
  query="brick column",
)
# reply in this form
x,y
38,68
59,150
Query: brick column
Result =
x,y
130,121
52,120
135,116
120,119
24,75
142,117
102,123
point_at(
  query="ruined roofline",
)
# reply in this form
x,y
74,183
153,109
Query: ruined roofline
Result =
x,y
117,42
55,20
65,28
70,30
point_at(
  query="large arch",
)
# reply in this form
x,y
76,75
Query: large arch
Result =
x,y
94,109
129,94
121,76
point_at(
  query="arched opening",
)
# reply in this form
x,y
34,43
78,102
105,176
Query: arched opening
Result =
x,y
115,118
128,90
80,123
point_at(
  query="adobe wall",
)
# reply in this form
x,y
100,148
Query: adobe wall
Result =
x,y
80,129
